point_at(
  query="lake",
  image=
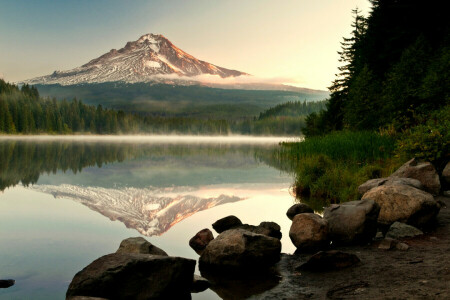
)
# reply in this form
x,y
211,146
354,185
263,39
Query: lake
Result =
x,y
66,201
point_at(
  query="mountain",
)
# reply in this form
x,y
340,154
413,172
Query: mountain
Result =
x,y
149,59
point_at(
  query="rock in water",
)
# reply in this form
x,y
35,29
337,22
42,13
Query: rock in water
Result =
x,y
299,208
400,230
199,241
238,249
403,203
309,232
139,245
6,283
199,284
370,184
135,276
330,260
422,171
226,223
352,222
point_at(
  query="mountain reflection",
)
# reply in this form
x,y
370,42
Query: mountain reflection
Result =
x,y
151,211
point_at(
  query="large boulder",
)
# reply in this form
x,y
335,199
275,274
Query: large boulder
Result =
x,y
199,241
239,249
134,276
309,232
296,209
400,230
446,173
330,260
352,222
226,223
271,229
422,171
404,204
370,184
139,245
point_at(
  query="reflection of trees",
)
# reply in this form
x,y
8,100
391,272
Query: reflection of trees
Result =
x,y
25,161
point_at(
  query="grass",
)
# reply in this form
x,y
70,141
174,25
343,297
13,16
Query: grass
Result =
x,y
329,169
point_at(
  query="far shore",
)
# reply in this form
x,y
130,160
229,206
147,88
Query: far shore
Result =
x,y
143,139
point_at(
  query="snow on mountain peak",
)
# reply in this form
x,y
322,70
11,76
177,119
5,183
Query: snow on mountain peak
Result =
x,y
143,60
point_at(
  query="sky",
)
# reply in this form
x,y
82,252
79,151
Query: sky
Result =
x,y
293,41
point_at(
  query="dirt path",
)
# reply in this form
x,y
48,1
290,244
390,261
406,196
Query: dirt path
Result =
x,y
421,272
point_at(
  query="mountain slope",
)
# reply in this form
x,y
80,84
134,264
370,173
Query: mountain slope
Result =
x,y
147,59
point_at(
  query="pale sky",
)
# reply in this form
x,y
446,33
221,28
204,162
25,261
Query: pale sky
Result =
x,y
293,40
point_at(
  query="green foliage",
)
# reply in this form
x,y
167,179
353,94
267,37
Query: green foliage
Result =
x,y
429,140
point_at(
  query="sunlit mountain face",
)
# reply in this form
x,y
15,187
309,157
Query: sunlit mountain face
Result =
x,y
144,60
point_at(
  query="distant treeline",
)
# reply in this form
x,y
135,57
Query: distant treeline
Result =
x,y
23,111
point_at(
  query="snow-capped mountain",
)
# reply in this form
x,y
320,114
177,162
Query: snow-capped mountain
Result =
x,y
150,57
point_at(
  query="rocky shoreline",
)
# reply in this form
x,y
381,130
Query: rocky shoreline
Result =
x,y
370,248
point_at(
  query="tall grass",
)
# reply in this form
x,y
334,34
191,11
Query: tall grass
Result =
x,y
330,168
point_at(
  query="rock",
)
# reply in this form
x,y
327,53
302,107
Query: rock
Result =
x,y
446,173
330,260
238,249
403,203
135,276
446,193
139,245
199,241
402,246
6,283
422,171
387,244
226,223
309,232
298,208
271,229
352,222
379,235
199,284
370,184
400,230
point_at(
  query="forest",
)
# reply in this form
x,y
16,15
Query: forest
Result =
x,y
24,111
389,103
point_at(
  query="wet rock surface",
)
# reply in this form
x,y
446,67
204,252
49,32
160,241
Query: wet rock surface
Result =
x,y
6,283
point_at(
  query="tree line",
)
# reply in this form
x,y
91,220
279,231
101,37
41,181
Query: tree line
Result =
x,y
396,68
23,111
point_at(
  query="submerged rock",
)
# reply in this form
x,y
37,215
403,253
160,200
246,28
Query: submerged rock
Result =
x,y
135,276
309,232
403,203
139,245
226,223
6,283
422,171
352,222
199,241
239,249
298,208
400,230
330,260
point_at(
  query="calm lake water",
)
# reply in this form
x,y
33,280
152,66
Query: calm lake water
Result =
x,y
66,201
